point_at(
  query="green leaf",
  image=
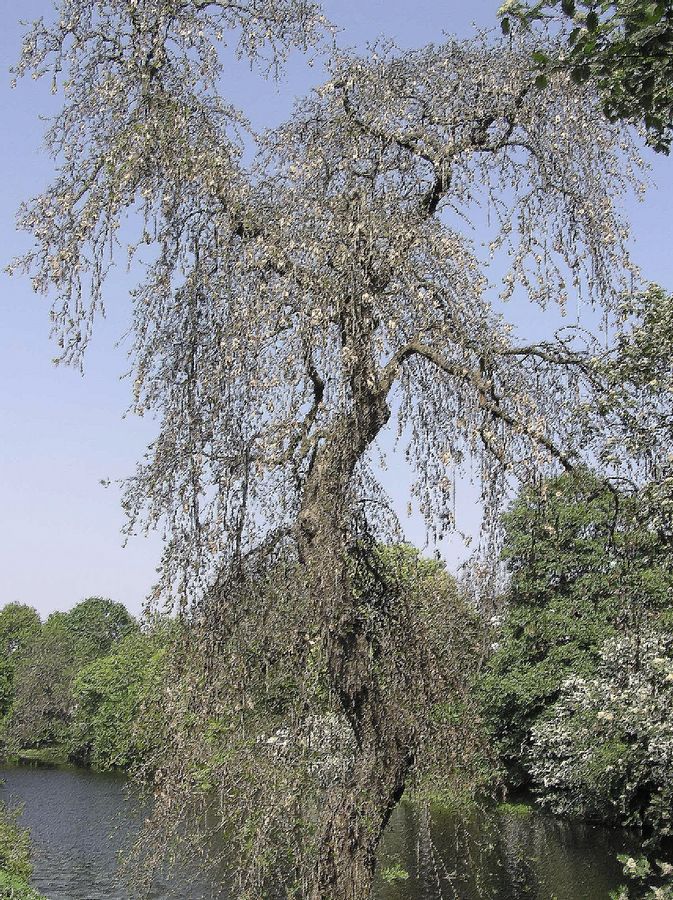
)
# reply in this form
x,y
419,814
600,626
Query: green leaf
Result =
x,y
505,25
541,82
574,34
592,20
580,74
568,7
654,12
540,58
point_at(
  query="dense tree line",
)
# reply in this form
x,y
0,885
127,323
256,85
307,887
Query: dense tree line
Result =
x,y
587,614
86,685
73,686
578,692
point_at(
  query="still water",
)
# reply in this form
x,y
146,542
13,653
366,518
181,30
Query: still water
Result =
x,y
82,821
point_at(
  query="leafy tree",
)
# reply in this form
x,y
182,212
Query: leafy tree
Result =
x,y
625,47
42,684
44,676
109,694
648,880
291,311
603,752
639,373
6,687
18,625
584,562
96,624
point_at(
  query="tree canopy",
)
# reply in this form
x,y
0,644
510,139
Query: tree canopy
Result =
x,y
585,564
19,624
41,700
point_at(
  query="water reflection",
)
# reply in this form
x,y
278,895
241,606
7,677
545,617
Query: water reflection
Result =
x,y
81,821
519,854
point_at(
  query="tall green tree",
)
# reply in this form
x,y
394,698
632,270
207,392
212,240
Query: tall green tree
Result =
x,y
96,624
44,676
42,687
19,624
584,563
110,694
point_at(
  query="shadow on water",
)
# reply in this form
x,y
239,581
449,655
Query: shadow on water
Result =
x,y
35,762
81,821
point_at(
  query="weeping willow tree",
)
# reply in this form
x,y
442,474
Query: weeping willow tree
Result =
x,y
288,312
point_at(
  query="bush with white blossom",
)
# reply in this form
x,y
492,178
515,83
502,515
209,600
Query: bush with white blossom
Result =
x,y
605,751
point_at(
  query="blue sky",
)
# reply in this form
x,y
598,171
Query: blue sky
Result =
x,y
61,433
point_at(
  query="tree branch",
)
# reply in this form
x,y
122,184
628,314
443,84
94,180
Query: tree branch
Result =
x,y
489,401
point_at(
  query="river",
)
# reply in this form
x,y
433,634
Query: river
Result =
x,y
81,821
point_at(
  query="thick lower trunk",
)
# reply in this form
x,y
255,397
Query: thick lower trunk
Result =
x,y
354,821
357,810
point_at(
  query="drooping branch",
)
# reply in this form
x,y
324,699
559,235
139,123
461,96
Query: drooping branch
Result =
x,y
489,400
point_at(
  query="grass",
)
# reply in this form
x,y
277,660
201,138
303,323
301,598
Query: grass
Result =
x,y
521,810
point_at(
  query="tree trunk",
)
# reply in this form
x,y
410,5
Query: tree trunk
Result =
x,y
356,811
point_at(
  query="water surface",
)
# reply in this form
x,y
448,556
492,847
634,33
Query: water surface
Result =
x,y
519,854
81,821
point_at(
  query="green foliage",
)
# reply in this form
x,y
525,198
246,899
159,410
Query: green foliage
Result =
x,y
6,687
584,562
380,575
19,624
42,683
96,624
638,378
15,866
519,810
14,845
460,767
109,695
648,881
48,661
394,873
624,46
14,888
644,352
84,685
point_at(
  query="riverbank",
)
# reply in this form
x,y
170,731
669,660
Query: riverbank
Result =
x,y
45,756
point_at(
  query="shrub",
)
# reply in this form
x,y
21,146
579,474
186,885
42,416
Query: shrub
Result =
x,y
585,564
606,749
15,867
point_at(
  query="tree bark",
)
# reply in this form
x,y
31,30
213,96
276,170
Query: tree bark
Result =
x,y
357,810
